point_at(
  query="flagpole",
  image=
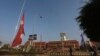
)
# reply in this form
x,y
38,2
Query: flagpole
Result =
x,y
16,27
20,15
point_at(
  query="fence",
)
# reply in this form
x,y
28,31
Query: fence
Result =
x,y
73,54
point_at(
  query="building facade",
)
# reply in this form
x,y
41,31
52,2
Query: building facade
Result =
x,y
63,44
54,45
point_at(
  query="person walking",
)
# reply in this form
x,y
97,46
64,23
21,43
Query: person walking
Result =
x,y
70,51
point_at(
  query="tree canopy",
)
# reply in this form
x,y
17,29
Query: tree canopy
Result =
x,y
89,19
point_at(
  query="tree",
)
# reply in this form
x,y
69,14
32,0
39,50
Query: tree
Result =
x,y
6,46
89,19
0,43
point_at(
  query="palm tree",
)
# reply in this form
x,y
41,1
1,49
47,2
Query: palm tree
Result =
x,y
89,19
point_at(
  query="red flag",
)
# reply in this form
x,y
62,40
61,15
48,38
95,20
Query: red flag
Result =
x,y
20,33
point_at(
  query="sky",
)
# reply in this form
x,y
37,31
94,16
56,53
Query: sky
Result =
x,y
57,16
